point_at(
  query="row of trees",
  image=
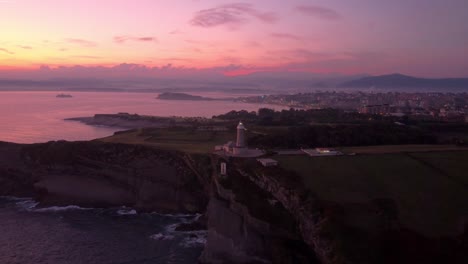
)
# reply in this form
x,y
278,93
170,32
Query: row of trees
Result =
x,y
341,135
294,117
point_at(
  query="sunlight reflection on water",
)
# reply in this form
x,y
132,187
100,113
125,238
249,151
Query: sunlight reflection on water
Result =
x,y
30,117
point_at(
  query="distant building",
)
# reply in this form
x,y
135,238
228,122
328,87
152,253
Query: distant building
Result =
x,y
223,169
375,109
268,162
322,152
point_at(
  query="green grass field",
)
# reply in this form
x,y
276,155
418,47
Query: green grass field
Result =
x,y
181,139
429,188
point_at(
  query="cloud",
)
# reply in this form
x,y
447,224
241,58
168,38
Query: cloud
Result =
x,y
7,51
86,57
176,32
234,14
298,54
285,36
123,39
24,47
319,12
81,42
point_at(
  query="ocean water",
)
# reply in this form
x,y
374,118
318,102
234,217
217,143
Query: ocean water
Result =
x,y
70,234
32,117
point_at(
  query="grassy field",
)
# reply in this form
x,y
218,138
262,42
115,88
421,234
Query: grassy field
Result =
x,y
182,139
429,188
399,148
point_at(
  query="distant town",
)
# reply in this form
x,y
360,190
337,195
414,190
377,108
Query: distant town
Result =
x,y
452,107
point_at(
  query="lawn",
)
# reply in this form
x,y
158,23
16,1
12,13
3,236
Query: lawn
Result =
x,y
181,139
400,148
430,189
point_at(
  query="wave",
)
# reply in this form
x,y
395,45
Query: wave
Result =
x,y
60,208
14,198
26,204
195,240
160,236
126,211
177,215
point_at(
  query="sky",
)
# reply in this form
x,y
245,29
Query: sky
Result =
x,y
154,38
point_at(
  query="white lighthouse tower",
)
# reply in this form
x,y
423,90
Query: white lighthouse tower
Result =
x,y
240,147
240,136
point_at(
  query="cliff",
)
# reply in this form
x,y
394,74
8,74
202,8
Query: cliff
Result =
x,y
97,174
246,224
253,214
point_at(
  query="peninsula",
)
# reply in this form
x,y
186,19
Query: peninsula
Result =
x,y
183,96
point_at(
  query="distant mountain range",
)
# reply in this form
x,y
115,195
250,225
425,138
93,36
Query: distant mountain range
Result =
x,y
403,81
264,82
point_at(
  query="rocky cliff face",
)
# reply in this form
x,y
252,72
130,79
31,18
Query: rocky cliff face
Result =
x,y
248,225
253,215
101,174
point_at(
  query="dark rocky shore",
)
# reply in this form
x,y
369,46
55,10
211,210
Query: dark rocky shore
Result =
x,y
254,215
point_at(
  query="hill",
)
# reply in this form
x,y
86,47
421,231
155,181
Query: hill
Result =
x,y
404,81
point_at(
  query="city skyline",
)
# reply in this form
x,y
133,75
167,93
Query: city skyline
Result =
x,y
159,39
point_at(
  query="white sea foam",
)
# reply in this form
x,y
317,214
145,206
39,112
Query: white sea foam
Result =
x,y
177,215
160,236
171,228
195,240
126,211
13,198
26,204
60,208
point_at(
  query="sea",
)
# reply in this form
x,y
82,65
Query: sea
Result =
x,y
75,235
32,117
70,234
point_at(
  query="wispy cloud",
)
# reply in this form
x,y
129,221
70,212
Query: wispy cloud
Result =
x,y
233,14
176,32
81,42
7,51
123,39
319,12
298,54
24,47
86,57
286,36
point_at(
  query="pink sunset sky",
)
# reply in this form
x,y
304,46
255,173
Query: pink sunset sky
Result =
x,y
427,38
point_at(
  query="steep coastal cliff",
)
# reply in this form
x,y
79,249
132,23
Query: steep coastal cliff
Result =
x,y
252,215
248,225
245,223
99,174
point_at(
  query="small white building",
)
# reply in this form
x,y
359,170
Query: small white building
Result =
x,y
268,162
223,169
322,152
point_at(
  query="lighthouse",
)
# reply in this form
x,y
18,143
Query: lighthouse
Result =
x,y
240,135
238,148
